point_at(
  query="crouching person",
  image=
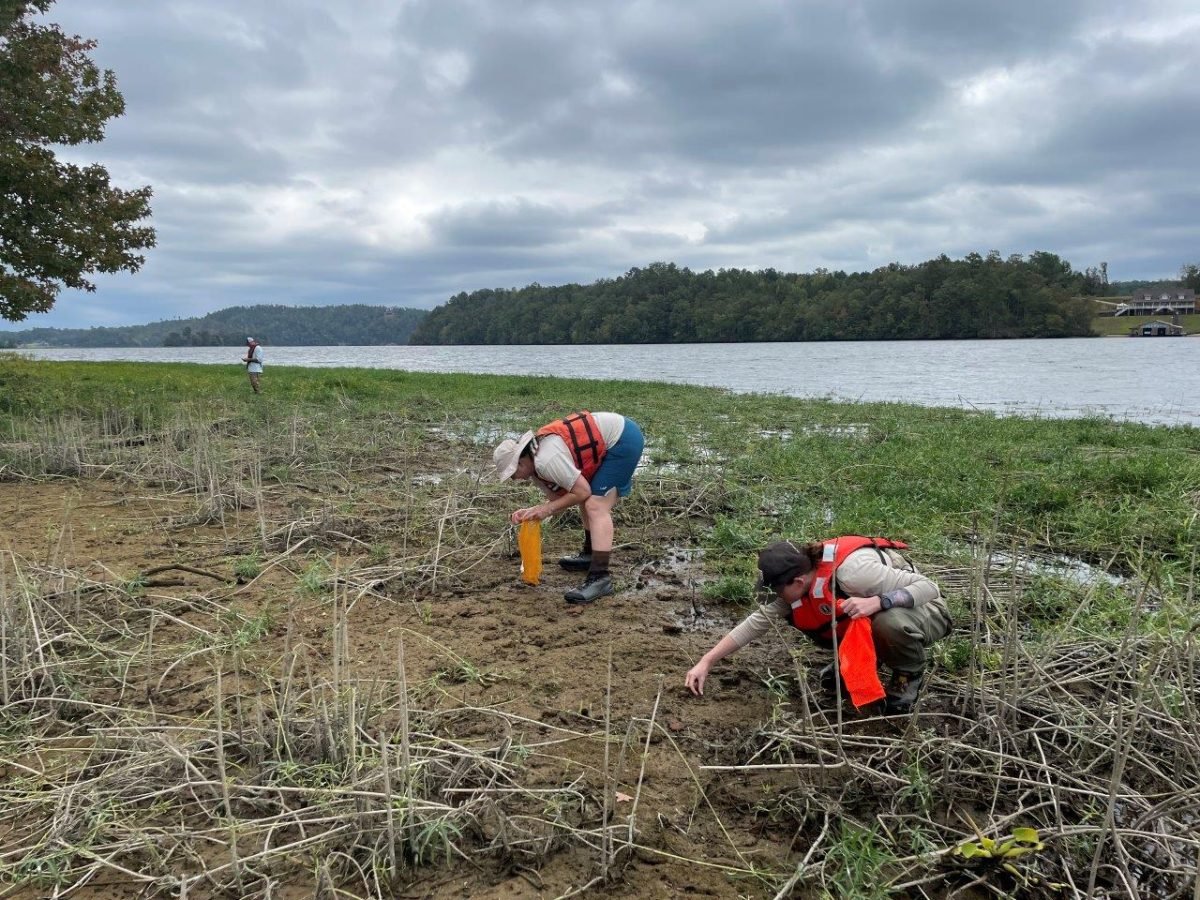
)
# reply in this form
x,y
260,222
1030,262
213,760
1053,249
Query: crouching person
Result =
x,y
883,609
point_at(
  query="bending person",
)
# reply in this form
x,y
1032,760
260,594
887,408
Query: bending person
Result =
x,y
870,582
586,460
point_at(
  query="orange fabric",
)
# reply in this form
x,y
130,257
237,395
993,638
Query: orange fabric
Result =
x,y
581,434
856,659
529,541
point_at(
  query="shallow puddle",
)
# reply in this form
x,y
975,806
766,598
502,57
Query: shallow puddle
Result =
x,y
680,568
1066,567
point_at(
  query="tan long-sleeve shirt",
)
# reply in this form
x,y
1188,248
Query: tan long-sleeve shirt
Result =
x,y
862,574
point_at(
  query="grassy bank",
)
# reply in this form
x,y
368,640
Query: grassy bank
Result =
x,y
297,658
1120,494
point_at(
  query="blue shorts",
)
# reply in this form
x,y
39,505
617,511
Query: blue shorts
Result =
x,y
616,469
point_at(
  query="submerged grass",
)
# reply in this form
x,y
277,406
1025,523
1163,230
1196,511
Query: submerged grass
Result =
x,y
1063,702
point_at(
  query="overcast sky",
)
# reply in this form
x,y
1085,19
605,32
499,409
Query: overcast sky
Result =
x,y
400,151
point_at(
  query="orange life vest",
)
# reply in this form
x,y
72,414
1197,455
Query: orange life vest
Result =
x,y
814,613
581,434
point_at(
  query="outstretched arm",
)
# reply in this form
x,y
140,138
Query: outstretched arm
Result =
x,y
699,672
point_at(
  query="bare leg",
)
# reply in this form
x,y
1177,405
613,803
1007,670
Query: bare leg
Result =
x,y
597,514
598,521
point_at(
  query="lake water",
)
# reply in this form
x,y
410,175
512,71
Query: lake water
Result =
x,y
1155,380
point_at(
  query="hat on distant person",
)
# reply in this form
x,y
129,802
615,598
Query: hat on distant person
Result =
x,y
251,341
781,562
508,453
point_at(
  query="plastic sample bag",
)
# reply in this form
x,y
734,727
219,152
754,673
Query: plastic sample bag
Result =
x,y
529,541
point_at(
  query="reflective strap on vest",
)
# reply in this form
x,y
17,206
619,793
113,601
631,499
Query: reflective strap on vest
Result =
x,y
593,441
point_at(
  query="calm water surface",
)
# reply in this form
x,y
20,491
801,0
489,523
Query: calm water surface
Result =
x,y
1154,380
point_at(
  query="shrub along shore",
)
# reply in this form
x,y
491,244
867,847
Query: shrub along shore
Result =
x,y
1067,701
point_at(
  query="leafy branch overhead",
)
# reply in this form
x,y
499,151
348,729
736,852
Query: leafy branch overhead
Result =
x,y
59,222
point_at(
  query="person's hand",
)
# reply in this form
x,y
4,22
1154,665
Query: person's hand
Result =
x,y
695,678
530,514
857,607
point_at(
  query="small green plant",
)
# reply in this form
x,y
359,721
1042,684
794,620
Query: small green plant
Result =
x,y
954,653
733,537
244,631
135,586
777,685
919,790
854,866
435,839
247,568
251,631
314,578
466,672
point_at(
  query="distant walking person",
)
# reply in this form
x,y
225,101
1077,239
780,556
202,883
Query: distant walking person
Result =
x,y
254,363
586,460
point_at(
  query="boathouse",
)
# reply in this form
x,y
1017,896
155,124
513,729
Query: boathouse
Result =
x,y
1156,329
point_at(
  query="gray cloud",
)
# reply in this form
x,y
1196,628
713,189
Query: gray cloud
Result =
x,y
326,151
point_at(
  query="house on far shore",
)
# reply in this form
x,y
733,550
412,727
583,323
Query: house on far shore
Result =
x,y
1156,329
1159,301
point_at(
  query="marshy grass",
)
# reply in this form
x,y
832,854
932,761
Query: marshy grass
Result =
x,y
1066,705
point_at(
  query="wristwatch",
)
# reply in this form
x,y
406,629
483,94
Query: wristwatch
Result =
x,y
885,601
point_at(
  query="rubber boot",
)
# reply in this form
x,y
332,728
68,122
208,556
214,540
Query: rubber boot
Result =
x,y
902,691
591,590
582,561
828,676
598,584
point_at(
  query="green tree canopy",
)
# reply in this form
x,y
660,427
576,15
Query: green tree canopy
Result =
x,y
59,222
1189,276
975,297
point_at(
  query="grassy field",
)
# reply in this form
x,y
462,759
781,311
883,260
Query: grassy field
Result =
x,y
275,646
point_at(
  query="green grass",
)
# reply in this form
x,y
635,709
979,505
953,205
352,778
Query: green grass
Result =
x,y
1108,493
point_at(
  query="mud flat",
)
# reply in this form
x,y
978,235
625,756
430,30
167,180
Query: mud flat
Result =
x,y
277,647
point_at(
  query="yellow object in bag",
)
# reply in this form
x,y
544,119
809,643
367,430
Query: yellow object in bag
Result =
x,y
529,540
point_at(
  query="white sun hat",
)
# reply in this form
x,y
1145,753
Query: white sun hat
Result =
x,y
508,453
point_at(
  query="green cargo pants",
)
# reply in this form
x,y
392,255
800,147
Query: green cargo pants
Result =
x,y
903,636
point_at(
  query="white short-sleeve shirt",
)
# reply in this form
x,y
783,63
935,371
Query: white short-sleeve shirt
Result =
x,y
553,462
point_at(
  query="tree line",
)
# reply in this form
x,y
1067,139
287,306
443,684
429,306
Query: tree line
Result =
x,y
278,325
974,297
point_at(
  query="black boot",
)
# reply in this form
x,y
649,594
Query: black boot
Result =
x,y
902,691
582,561
578,563
598,584
828,676
595,587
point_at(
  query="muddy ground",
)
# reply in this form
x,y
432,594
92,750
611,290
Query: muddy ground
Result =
x,y
536,658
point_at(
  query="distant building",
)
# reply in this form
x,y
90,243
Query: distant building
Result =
x,y
1159,301
1156,329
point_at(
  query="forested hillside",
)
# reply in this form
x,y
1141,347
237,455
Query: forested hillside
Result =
x,y
975,297
281,326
